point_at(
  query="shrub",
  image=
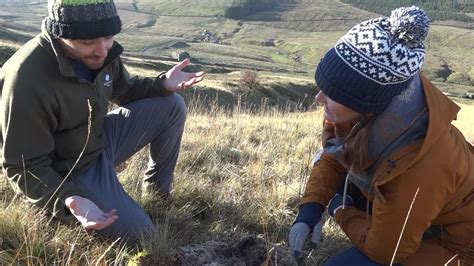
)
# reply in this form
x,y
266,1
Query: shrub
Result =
x,y
249,80
459,78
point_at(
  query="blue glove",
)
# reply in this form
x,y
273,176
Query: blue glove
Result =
x,y
336,203
307,221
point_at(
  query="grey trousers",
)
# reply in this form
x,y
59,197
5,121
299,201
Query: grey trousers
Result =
x,y
156,121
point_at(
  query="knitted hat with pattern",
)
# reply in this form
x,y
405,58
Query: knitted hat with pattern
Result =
x,y
82,19
375,60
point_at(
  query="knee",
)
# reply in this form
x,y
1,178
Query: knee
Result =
x,y
176,107
181,108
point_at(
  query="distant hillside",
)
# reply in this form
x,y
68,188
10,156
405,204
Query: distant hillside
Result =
x,y
234,9
437,10
21,2
243,8
287,38
6,34
5,53
184,8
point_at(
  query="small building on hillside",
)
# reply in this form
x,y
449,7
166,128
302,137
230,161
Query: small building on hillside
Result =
x,y
269,42
180,55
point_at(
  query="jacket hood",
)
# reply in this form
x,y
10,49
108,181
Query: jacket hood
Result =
x,y
442,111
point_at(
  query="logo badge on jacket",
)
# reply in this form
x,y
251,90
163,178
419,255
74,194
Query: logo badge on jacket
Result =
x,y
108,80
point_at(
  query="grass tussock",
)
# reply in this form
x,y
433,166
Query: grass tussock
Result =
x,y
238,173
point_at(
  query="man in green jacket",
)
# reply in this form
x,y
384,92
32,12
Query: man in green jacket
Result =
x,y
61,146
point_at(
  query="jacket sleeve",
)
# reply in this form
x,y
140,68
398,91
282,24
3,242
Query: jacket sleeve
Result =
x,y
327,173
130,88
28,122
377,235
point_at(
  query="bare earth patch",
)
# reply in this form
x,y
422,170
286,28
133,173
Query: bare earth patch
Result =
x,y
236,250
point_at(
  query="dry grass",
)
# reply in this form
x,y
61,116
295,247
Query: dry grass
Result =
x,y
465,122
237,173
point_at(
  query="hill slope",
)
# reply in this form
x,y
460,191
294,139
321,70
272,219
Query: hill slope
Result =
x,y
286,40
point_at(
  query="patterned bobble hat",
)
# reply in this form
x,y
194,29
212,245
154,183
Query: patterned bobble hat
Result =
x,y
82,19
375,60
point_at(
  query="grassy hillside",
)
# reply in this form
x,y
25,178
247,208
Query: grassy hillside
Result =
x,y
437,10
7,49
184,8
300,32
228,186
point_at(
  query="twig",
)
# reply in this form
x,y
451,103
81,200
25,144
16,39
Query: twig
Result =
x,y
451,259
26,187
22,244
467,250
403,228
73,245
103,255
24,173
89,125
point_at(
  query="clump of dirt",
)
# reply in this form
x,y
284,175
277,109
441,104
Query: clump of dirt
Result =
x,y
243,250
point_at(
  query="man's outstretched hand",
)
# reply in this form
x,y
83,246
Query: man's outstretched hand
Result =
x,y
89,214
177,80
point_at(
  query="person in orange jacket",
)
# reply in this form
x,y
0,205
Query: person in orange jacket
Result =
x,y
394,173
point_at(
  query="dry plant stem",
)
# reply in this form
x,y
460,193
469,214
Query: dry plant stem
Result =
x,y
73,245
24,172
404,224
269,256
89,125
26,187
467,250
107,250
21,247
451,259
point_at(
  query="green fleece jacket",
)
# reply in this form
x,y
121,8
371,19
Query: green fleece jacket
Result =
x,y
45,118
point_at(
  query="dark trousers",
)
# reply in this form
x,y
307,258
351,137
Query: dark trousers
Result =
x,y
351,256
156,121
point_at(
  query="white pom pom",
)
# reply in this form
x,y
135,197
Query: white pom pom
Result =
x,y
410,24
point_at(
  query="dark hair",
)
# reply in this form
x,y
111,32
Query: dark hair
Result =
x,y
356,149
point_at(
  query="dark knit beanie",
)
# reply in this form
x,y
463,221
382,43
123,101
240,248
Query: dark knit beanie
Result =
x,y
82,19
375,60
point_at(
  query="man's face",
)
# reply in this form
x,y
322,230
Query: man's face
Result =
x,y
91,53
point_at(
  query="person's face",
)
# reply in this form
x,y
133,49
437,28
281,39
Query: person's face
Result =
x,y
336,112
91,53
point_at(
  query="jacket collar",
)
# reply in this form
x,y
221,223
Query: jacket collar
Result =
x,y
65,67
442,111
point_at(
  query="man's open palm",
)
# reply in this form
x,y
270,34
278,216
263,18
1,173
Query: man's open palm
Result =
x,y
89,214
177,80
